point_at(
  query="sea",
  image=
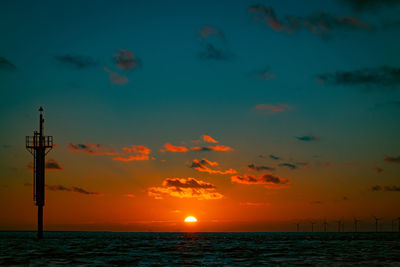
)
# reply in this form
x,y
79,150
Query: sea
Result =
x,y
199,249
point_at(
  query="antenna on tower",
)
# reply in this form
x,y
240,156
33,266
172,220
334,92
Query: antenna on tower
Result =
x,y
39,145
376,222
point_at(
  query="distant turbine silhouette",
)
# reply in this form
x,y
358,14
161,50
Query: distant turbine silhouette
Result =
x,y
376,222
298,227
339,222
312,226
356,221
325,225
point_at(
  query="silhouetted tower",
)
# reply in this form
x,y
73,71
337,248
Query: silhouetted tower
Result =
x,y
376,223
298,227
312,226
39,145
325,225
356,221
339,225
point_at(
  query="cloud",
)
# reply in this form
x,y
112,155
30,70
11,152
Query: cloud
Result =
x,y
257,204
53,165
138,157
253,167
369,5
129,195
289,165
116,78
203,166
392,159
7,65
264,74
208,139
307,138
77,61
72,189
126,60
320,23
381,76
379,170
91,149
172,148
185,188
386,188
212,148
210,51
269,108
141,153
208,31
264,156
268,179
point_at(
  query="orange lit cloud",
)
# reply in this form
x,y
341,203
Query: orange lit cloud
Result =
x,y
201,166
133,158
129,195
273,108
51,164
208,139
184,188
137,149
92,149
392,159
141,153
72,189
267,179
172,148
212,148
126,60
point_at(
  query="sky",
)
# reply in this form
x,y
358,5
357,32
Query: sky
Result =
x,y
248,115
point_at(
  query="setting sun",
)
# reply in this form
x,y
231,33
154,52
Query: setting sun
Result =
x,y
190,219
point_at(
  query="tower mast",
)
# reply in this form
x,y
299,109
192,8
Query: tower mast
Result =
x,y
39,145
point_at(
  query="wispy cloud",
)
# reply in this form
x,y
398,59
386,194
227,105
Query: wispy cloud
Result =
x,y
210,51
264,74
77,61
208,139
92,149
52,164
270,156
392,159
369,5
116,78
126,60
71,189
269,108
386,188
212,148
172,148
203,165
307,138
207,31
379,170
320,23
185,188
213,44
140,153
381,76
7,65
253,167
266,179
288,165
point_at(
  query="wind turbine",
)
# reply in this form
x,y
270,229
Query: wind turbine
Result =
x,y
376,222
325,225
339,222
298,227
312,226
356,221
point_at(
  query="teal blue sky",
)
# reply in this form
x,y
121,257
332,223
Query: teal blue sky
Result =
x,y
338,87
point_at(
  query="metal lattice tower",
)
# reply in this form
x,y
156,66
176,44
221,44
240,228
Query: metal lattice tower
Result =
x,y
39,145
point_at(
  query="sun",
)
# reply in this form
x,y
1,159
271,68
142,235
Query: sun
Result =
x,y
190,219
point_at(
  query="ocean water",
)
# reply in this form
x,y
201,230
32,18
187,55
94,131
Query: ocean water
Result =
x,y
199,249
